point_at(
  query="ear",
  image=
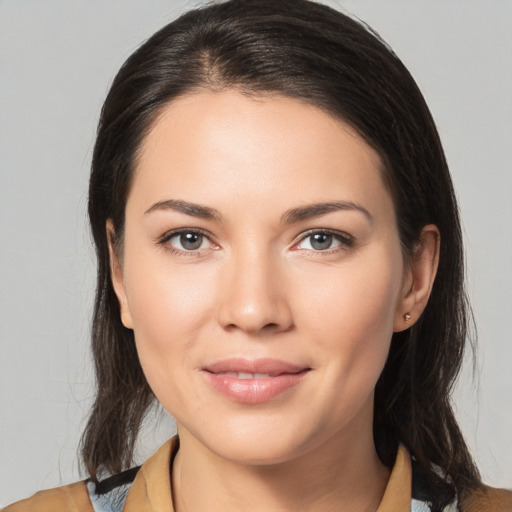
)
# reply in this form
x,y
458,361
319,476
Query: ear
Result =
x,y
116,274
418,279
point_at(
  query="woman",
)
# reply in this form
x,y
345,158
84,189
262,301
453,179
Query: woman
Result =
x,y
280,266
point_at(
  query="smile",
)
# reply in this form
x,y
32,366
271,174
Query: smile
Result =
x,y
253,382
245,376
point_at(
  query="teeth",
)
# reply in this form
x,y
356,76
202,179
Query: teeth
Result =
x,y
245,375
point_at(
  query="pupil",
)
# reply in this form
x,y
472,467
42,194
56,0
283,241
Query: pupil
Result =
x,y
321,241
191,241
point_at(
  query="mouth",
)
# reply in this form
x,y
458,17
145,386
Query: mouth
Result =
x,y
247,376
253,381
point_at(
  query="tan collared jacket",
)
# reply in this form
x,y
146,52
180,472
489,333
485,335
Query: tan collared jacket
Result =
x,y
151,491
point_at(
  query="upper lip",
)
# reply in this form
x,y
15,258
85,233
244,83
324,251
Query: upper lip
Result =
x,y
262,365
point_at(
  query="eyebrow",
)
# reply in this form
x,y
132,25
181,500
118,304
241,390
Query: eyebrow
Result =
x,y
195,210
319,209
290,217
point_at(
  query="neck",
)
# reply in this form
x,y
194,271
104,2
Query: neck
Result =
x,y
335,475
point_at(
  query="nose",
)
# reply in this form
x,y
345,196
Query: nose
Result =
x,y
254,295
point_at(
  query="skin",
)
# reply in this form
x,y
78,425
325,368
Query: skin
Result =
x,y
259,286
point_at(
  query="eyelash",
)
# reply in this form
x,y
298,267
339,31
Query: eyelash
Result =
x,y
164,240
346,241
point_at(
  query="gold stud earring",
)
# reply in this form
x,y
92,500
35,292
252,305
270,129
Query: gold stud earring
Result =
x,y
406,317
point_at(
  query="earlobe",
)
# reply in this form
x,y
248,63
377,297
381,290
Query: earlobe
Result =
x,y
116,274
420,279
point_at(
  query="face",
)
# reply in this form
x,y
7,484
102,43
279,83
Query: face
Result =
x,y
262,274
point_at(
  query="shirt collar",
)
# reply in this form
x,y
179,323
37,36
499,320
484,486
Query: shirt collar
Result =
x,y
151,489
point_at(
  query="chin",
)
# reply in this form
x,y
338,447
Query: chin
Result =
x,y
261,452
264,444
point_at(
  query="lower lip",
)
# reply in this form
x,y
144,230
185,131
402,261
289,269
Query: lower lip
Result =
x,y
253,391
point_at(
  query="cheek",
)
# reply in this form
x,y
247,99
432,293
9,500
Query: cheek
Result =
x,y
169,306
352,310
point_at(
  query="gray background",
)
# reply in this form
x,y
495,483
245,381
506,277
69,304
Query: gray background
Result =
x,y
57,59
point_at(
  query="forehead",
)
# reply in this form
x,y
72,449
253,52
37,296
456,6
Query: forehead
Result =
x,y
224,146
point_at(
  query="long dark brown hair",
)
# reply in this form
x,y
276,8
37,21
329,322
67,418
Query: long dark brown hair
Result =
x,y
308,51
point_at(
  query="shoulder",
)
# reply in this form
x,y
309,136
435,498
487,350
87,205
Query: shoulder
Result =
x,y
69,498
430,492
110,494
487,499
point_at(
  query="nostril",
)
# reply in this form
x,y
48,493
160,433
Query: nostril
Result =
x,y
267,328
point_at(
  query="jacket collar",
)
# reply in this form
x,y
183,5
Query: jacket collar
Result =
x,y
151,489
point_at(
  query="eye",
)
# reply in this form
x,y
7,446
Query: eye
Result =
x,y
186,241
324,241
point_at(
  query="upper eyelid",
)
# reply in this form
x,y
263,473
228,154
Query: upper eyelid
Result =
x,y
346,240
163,241
334,232
178,231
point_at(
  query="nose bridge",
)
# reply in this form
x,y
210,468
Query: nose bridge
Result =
x,y
254,297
